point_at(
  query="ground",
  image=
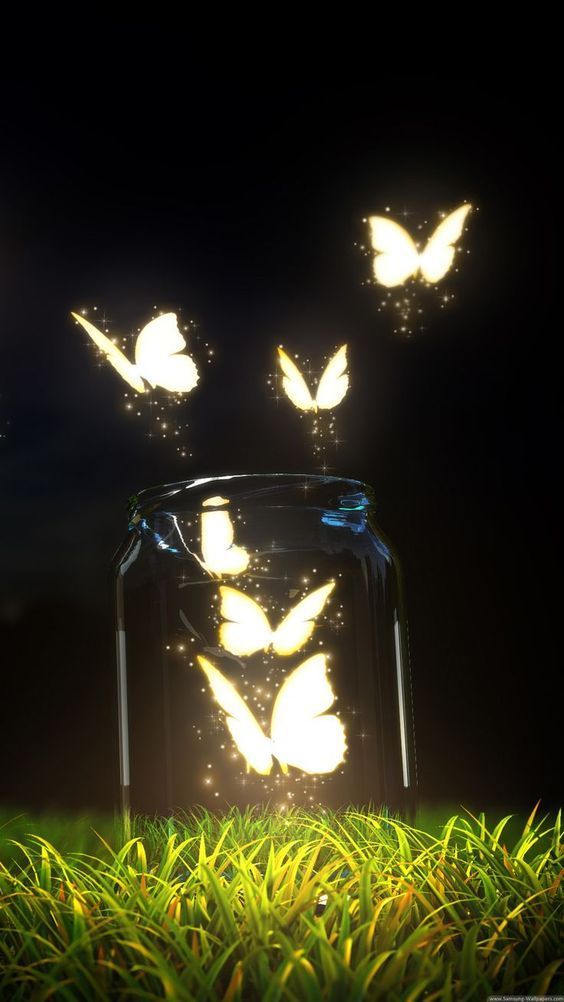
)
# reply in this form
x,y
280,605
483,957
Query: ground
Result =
x,y
298,906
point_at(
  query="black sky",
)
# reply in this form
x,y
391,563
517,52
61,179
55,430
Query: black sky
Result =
x,y
242,209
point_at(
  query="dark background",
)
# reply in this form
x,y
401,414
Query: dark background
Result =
x,y
242,208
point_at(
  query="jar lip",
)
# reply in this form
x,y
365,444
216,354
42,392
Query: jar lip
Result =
x,y
307,490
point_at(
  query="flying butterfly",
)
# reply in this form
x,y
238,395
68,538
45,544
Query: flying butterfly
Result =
x,y
158,358
397,257
332,387
302,735
220,554
248,629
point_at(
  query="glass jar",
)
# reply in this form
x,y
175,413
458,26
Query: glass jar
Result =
x,y
261,650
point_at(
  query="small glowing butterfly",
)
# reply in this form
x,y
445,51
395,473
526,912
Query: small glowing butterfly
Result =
x,y
220,555
157,358
249,630
331,389
397,257
301,733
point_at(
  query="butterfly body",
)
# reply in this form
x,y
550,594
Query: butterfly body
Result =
x,y
158,358
398,257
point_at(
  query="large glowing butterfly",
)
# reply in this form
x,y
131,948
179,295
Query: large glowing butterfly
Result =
x,y
331,389
397,257
249,630
301,733
219,553
157,358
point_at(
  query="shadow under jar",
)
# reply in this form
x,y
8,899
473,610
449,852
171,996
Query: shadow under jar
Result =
x,y
261,649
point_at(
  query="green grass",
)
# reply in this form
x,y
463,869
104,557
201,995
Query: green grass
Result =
x,y
227,908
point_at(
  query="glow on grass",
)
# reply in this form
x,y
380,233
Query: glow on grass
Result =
x,y
397,257
249,630
301,734
332,387
157,355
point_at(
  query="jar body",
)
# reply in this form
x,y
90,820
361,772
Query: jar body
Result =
x,y
261,649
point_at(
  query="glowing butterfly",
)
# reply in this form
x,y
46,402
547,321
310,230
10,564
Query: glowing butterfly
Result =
x,y
397,257
157,358
331,389
301,734
249,630
220,555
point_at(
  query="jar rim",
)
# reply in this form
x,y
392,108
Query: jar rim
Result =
x,y
275,490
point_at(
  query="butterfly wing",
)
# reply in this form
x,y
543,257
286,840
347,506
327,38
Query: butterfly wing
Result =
x,y
245,731
248,630
294,383
219,553
157,358
298,625
334,382
300,735
439,252
115,357
396,256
